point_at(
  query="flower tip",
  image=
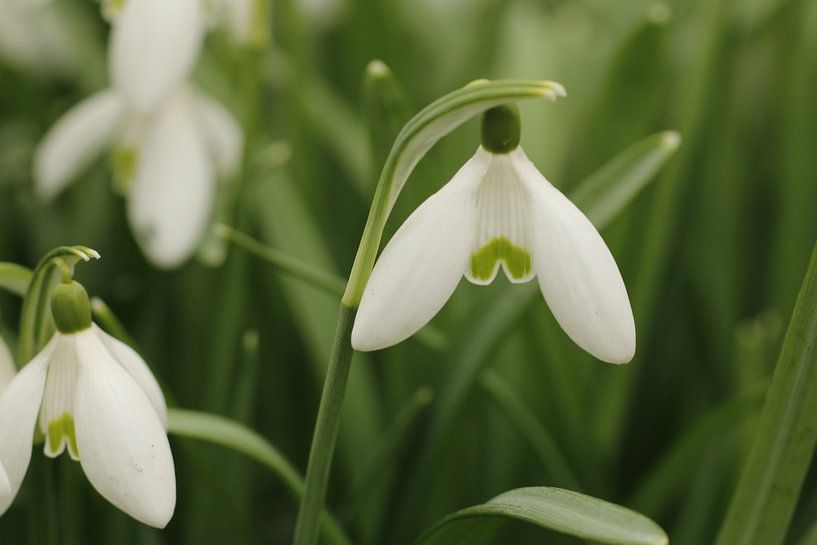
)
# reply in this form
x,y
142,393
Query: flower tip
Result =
x,y
671,140
552,90
377,69
478,82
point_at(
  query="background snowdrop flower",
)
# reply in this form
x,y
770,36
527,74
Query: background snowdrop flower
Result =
x,y
94,396
177,153
153,49
498,212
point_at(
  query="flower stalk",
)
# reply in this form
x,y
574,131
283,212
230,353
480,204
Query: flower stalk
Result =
x,y
417,137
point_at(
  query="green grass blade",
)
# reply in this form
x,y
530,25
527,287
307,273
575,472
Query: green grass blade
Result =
x,y
606,192
770,483
234,435
537,436
15,278
556,509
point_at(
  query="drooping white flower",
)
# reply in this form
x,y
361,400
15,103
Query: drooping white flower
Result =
x,y
175,155
94,396
498,212
153,49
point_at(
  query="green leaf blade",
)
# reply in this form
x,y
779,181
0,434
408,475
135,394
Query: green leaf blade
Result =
x,y
770,483
556,509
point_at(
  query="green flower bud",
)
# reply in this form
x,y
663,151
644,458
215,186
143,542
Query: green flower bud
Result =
x,y
71,308
501,129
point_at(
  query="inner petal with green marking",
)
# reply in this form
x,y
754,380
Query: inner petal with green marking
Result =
x,y
61,434
515,261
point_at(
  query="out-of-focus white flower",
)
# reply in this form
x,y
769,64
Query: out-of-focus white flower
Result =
x,y
174,157
153,49
498,211
94,396
33,37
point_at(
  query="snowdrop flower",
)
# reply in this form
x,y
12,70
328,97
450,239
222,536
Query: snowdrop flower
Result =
x,y
93,396
169,159
498,212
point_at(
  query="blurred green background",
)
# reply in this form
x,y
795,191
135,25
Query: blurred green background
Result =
x,y
712,252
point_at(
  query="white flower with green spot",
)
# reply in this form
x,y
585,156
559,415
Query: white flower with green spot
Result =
x,y
498,212
93,396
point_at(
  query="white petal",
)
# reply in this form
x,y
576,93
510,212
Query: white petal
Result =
x,y
138,369
221,133
422,264
172,194
502,226
75,140
19,406
154,46
122,443
577,274
7,368
5,485
57,410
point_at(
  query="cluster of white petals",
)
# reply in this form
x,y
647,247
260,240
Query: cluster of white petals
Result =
x,y
92,395
498,211
177,140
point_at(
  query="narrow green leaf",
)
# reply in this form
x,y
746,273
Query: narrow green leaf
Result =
x,y
607,191
556,509
228,433
537,436
15,278
386,109
771,480
385,453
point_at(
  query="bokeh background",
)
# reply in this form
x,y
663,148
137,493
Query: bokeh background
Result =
x,y
713,252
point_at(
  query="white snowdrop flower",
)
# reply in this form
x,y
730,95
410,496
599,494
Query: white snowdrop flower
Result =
x,y
498,212
93,396
170,159
239,17
153,49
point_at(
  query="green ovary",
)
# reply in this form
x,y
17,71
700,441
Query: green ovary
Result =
x,y
62,428
484,261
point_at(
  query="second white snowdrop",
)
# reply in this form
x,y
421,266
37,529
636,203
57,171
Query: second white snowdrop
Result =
x,y
498,212
94,397
171,141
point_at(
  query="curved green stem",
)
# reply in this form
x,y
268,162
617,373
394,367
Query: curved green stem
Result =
x,y
418,135
326,430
